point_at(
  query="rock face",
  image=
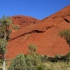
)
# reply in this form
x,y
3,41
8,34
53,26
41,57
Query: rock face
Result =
x,y
44,33
23,21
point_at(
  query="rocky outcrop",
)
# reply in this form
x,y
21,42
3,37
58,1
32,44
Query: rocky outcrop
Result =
x,y
23,21
44,33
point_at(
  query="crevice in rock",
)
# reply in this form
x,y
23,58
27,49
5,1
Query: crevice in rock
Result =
x,y
49,27
36,31
67,20
31,32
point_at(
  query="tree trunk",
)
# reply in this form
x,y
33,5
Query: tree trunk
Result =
x,y
4,63
5,35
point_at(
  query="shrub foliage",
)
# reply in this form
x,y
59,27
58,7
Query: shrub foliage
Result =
x,y
30,62
65,34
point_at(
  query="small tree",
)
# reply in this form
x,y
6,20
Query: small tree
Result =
x,y
32,48
3,44
5,30
19,63
30,62
33,58
65,34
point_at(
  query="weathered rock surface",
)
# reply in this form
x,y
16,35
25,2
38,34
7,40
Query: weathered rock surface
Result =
x,y
44,33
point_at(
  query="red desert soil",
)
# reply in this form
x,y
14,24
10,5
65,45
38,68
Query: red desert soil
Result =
x,y
44,33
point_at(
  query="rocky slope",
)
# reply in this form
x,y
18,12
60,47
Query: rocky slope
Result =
x,y
23,21
44,33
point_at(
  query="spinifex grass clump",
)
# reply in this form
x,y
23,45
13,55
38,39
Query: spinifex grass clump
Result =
x,y
65,34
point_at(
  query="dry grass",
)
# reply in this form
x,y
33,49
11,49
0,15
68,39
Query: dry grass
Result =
x,y
57,66
52,66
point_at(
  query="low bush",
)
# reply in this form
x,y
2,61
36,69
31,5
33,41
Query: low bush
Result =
x,y
65,34
31,61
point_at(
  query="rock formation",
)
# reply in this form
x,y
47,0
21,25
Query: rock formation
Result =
x,y
44,33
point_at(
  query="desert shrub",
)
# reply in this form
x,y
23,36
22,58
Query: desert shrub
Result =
x,y
66,35
67,57
32,48
18,63
15,27
40,57
30,66
51,59
40,67
57,58
62,58
44,58
1,61
29,58
31,61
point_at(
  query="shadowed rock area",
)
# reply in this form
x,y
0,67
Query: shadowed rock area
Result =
x,y
44,33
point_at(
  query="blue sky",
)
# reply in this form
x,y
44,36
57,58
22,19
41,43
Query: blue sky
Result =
x,y
35,8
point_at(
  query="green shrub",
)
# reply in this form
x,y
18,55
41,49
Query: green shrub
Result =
x,y
18,63
68,57
3,44
40,68
1,61
32,48
65,34
15,27
31,61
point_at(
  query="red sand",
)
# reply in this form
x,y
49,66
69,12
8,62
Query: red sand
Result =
x,y
44,33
